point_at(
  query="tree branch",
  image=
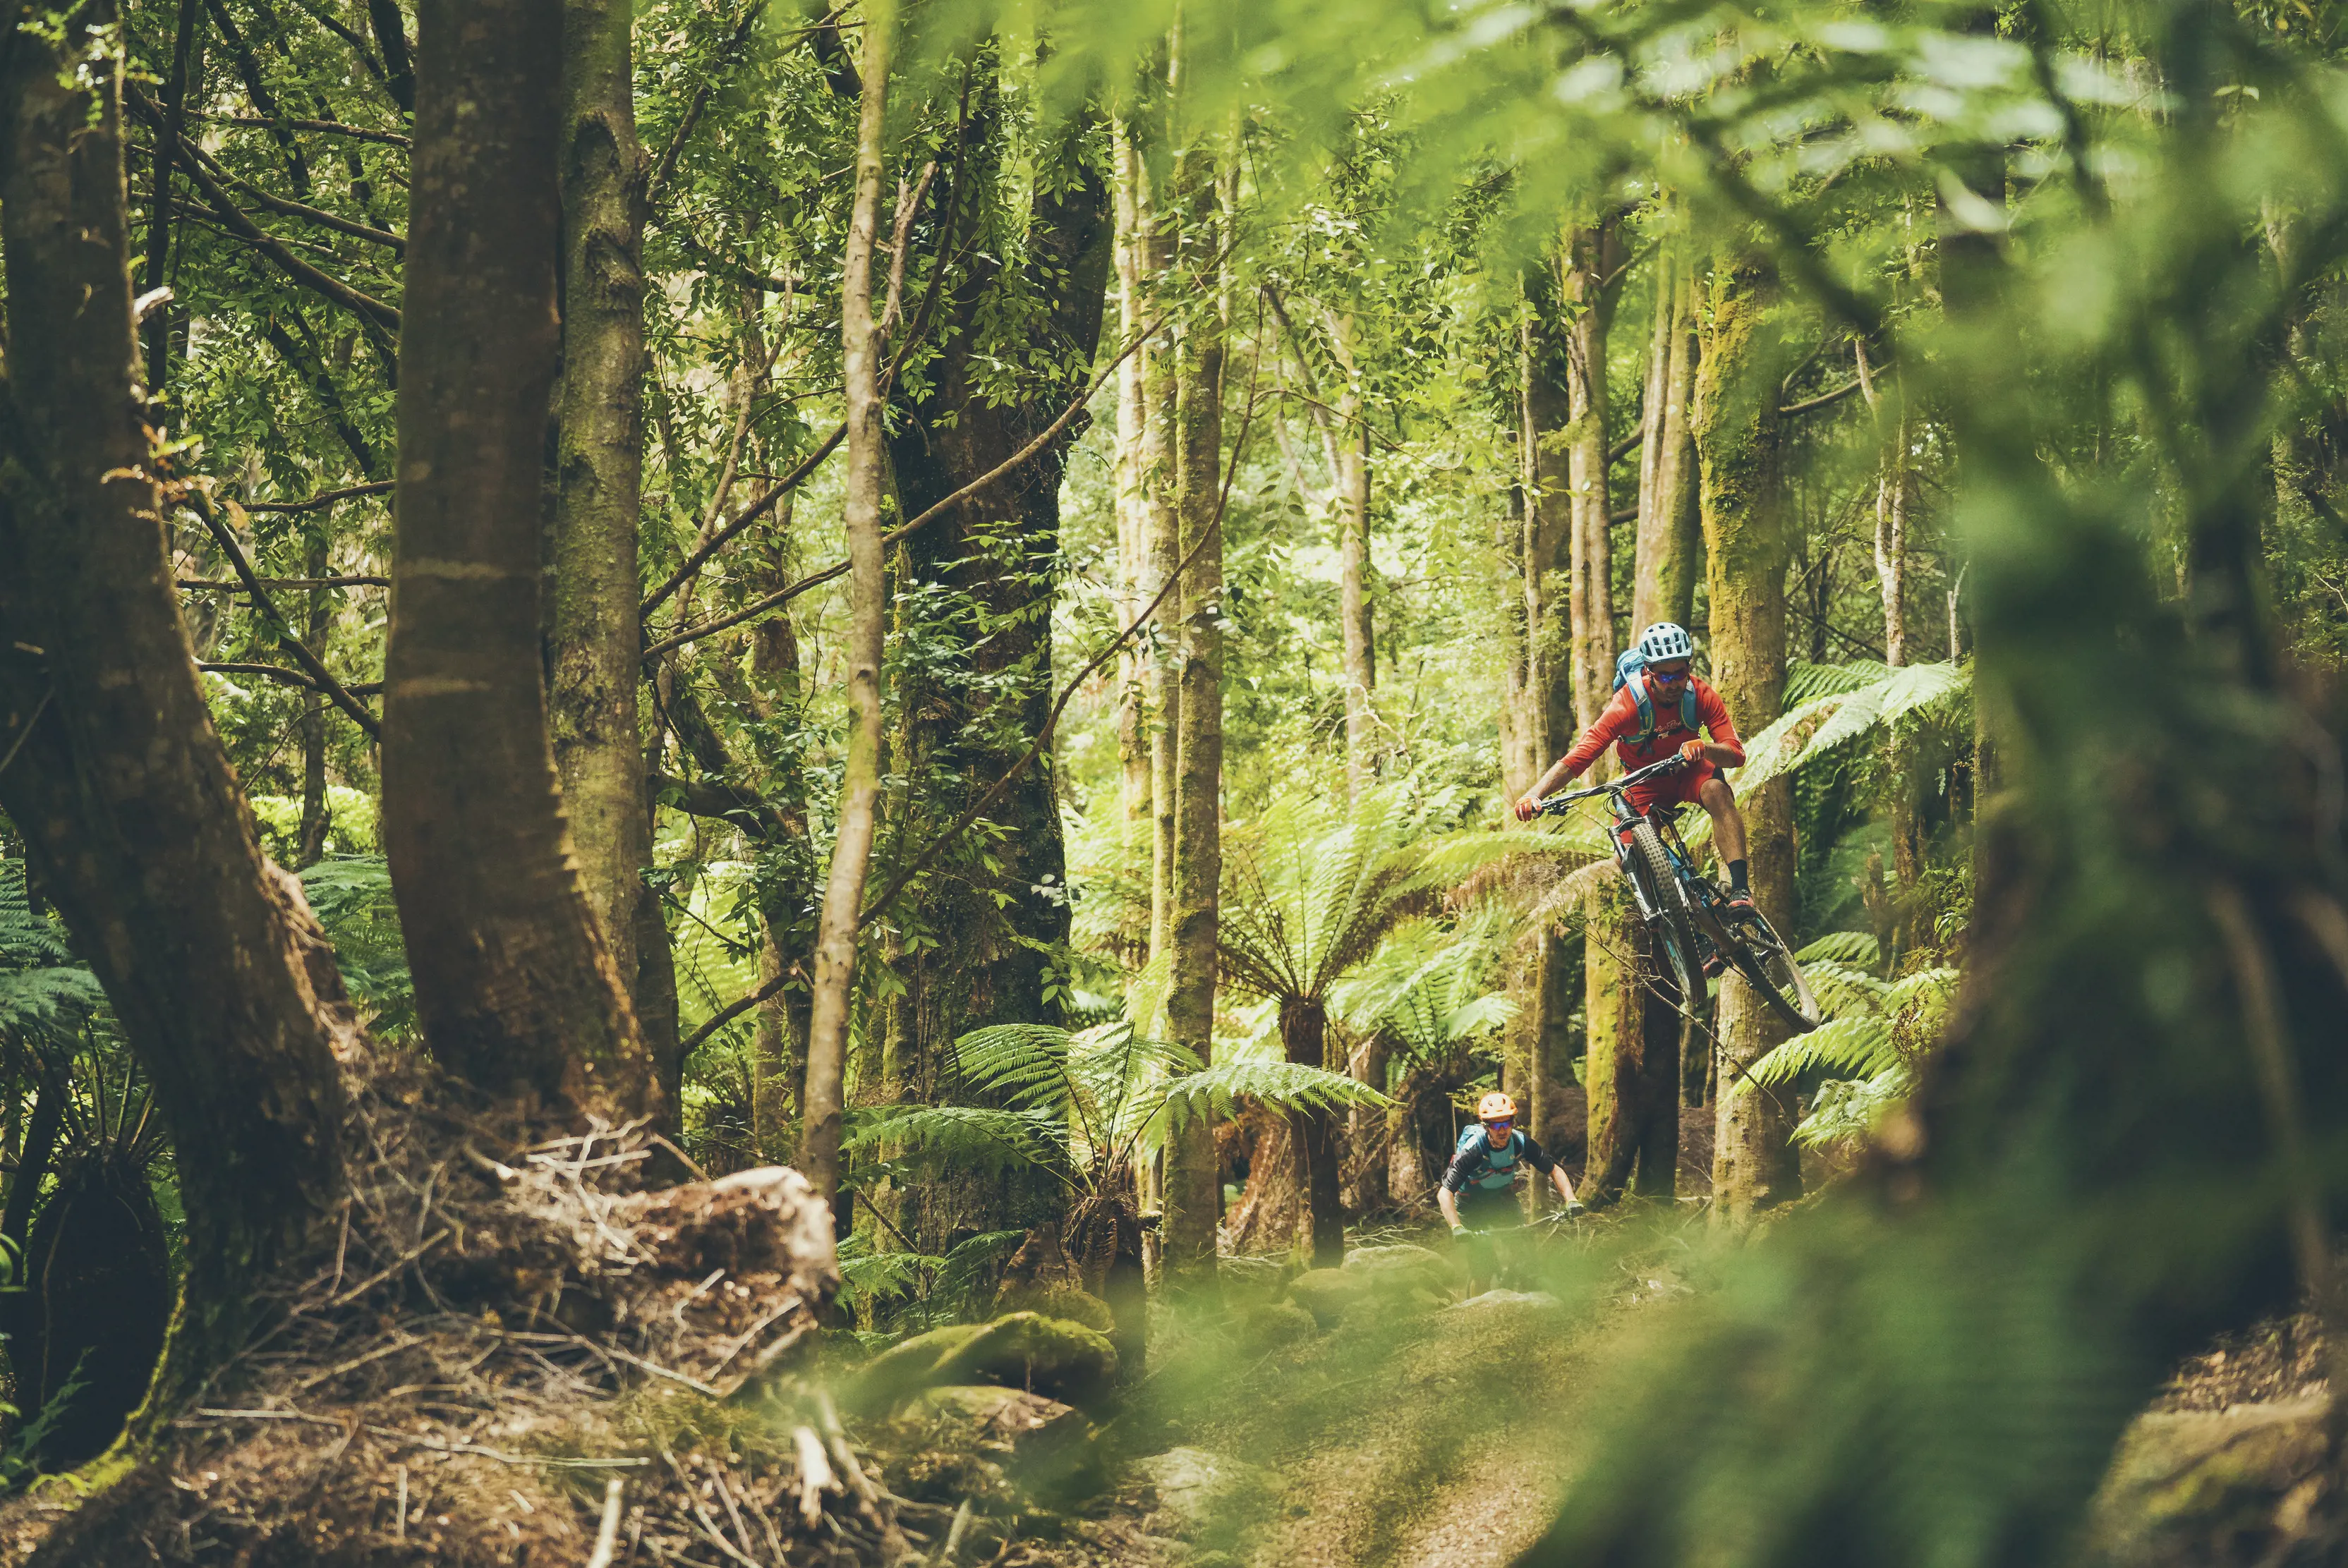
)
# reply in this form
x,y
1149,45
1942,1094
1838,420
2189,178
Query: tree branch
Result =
x,y
996,791
1009,464
378,315
285,677
1822,399
322,126
311,665
294,583
323,498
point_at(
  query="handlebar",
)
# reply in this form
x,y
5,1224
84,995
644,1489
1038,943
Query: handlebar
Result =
x,y
1552,805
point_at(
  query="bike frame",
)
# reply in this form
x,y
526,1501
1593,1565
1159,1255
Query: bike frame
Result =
x,y
1624,817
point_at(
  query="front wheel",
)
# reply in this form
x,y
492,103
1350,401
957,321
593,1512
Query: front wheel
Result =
x,y
1673,923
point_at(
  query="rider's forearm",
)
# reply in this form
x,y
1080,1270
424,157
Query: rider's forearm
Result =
x,y
1561,773
1724,756
1564,1183
1451,1207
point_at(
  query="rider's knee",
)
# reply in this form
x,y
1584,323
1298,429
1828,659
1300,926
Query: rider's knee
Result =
x,y
1718,795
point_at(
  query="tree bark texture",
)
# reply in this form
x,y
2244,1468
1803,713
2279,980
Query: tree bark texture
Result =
x,y
515,987
860,788
984,577
310,839
1139,463
1671,530
595,658
1193,1196
187,43
1591,258
1349,466
131,815
1738,446
1304,1037
1546,551
1633,1070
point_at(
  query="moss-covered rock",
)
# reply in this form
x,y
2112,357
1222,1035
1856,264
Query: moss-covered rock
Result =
x,y
1275,1323
1048,1356
1328,1294
2207,1486
1068,1302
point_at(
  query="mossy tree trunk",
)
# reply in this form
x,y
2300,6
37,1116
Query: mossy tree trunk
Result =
x,y
1739,450
131,815
515,987
1304,1037
860,787
1545,720
1671,531
1593,256
1193,1196
596,643
999,924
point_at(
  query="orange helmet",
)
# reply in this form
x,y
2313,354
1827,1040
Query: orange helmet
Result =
x,y
1494,1106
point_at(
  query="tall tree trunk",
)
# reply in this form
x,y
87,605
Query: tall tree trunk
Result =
x,y
1368,1133
186,42
1546,720
514,985
131,813
596,645
860,787
1738,445
1304,1037
1632,1071
991,561
1671,532
1137,583
310,839
1349,449
1193,1195
1591,261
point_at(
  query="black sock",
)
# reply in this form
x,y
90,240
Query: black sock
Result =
x,y
1736,876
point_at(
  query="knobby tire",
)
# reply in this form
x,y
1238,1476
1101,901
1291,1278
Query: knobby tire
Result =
x,y
1675,924
1761,959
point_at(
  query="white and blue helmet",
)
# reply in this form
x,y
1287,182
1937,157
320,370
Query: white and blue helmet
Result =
x,y
1665,640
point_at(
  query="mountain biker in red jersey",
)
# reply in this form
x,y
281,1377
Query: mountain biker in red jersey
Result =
x,y
1657,710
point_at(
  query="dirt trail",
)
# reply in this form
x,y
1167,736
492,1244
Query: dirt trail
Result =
x,y
1443,1439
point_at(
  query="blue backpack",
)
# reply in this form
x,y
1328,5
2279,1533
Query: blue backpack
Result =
x,y
1630,669
1500,1164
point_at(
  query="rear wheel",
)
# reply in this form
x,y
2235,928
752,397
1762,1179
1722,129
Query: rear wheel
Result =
x,y
1760,956
1674,923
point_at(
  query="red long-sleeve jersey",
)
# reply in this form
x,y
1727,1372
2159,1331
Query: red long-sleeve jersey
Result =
x,y
1619,726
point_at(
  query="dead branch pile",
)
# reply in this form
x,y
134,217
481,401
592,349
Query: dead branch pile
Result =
x,y
511,1353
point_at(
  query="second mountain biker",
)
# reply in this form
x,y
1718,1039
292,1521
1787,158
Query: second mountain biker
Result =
x,y
1658,709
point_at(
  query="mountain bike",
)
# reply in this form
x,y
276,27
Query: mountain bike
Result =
x,y
1687,912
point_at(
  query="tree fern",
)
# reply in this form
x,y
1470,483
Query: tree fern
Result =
x,y
1844,708
1866,1054
1082,1104
43,991
351,895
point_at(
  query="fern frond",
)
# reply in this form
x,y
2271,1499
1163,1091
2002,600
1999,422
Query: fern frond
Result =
x,y
1276,1085
965,1136
1805,681
1850,1108
1859,1047
1842,991
1857,949
1024,1063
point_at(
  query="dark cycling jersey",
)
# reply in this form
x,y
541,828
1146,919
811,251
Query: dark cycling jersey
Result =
x,y
1492,1169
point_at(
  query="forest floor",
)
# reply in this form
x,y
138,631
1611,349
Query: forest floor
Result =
x,y
1408,1431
